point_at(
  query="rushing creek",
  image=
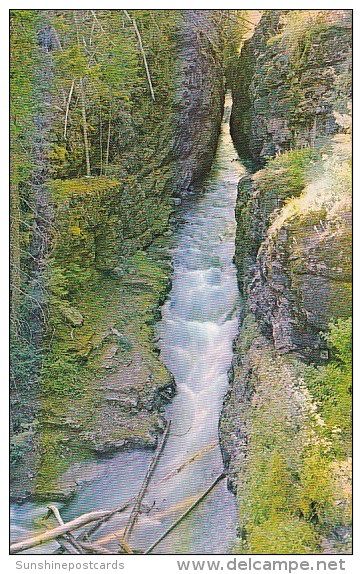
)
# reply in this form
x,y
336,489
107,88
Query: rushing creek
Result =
x,y
196,332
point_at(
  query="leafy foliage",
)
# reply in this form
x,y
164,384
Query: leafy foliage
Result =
x,y
331,385
289,492
101,85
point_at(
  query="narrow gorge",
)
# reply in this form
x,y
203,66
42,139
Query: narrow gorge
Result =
x,y
166,288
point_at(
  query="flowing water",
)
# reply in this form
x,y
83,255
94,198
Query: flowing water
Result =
x,y
199,323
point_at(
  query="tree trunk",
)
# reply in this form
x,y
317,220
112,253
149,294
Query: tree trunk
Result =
x,y
67,109
85,129
143,53
108,140
83,105
100,139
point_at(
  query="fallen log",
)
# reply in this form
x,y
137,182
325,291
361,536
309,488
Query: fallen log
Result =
x,y
73,546
101,517
63,545
93,529
136,509
170,510
179,506
192,459
58,531
183,516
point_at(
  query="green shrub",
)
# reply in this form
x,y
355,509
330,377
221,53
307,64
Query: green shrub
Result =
x,y
340,338
283,535
287,174
289,492
331,386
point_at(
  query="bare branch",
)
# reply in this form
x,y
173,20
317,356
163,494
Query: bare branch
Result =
x,y
56,532
134,23
75,548
67,109
136,509
186,513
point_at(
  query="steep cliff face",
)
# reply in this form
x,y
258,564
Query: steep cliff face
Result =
x,y
199,97
293,74
293,253
294,262
302,280
295,266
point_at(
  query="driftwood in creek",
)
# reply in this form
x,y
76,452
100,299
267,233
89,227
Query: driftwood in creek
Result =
x,y
186,513
71,544
57,532
136,509
82,544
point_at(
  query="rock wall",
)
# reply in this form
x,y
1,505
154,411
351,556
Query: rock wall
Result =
x,y
294,285
303,281
296,276
293,242
199,97
292,75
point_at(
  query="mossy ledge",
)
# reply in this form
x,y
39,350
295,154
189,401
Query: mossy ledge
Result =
x,y
102,381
